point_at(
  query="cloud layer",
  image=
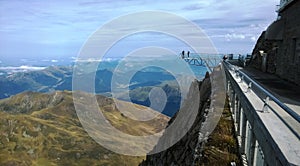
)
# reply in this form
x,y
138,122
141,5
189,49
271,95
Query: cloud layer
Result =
x,y
59,28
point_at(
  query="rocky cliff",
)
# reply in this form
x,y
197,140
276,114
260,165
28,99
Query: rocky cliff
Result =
x,y
268,55
188,149
210,139
277,51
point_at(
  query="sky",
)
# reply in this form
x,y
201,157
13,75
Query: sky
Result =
x,y
56,29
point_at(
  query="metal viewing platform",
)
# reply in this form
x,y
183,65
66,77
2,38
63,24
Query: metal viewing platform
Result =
x,y
202,59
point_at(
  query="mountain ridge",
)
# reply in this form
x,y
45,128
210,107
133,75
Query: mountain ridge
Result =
x,y
60,78
48,131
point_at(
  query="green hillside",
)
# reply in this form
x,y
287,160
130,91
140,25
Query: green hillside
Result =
x,y
43,129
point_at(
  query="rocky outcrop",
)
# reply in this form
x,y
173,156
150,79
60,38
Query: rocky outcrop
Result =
x,y
264,54
188,149
277,51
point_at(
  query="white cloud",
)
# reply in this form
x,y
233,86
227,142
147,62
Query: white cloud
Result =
x,y
234,36
22,68
88,60
94,59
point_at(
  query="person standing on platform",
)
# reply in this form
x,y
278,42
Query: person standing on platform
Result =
x,y
225,57
182,54
188,54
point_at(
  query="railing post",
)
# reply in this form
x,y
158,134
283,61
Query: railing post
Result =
x,y
258,155
238,115
228,87
266,105
247,141
243,130
252,149
250,144
236,105
249,87
242,79
237,74
233,102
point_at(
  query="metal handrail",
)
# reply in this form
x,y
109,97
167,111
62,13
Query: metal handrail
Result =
x,y
269,96
267,93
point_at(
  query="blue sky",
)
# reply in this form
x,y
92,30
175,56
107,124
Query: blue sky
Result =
x,y
57,29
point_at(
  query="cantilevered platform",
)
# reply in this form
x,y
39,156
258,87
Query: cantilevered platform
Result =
x,y
203,59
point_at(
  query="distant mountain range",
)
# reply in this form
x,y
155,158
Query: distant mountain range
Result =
x,y
60,78
140,96
43,129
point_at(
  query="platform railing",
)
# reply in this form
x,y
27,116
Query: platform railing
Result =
x,y
203,59
265,96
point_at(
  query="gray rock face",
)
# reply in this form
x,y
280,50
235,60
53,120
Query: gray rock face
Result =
x,y
277,51
188,149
